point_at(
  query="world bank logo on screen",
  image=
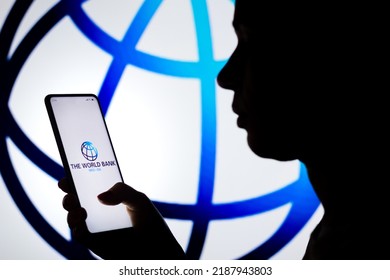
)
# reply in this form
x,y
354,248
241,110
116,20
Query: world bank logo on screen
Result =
x,y
153,65
89,151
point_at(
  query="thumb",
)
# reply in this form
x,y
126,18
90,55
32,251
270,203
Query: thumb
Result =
x,y
108,198
141,209
122,193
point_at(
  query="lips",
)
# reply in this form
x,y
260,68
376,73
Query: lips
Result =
x,y
241,121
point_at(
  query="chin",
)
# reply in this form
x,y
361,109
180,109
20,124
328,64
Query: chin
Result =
x,y
275,156
271,150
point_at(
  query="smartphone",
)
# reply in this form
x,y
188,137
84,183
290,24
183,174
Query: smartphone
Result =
x,y
87,156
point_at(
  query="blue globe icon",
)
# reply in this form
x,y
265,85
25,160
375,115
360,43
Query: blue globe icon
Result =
x,y
89,151
122,55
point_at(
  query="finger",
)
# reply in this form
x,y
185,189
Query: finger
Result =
x,y
122,193
63,184
76,218
141,209
80,232
70,202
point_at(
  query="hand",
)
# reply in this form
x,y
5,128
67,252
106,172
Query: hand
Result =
x,y
149,238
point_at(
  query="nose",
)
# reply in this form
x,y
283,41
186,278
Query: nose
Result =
x,y
227,77
222,78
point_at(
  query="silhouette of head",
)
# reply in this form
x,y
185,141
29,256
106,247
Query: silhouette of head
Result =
x,y
305,77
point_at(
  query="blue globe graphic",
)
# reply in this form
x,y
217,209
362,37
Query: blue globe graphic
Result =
x,y
298,194
89,151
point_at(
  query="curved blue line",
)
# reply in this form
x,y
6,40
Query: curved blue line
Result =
x,y
70,249
208,130
299,193
126,52
128,44
110,83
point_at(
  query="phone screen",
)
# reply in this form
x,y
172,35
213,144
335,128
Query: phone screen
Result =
x,y
88,156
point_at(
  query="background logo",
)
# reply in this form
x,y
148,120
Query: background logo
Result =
x,y
154,71
89,151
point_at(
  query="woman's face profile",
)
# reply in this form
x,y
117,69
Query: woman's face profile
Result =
x,y
265,75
